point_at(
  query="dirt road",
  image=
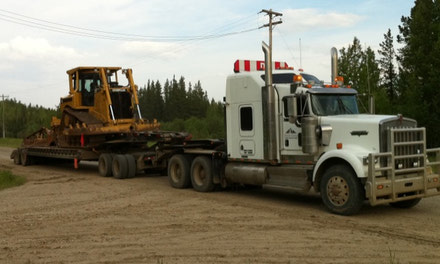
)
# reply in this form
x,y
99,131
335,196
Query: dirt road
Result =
x,y
63,215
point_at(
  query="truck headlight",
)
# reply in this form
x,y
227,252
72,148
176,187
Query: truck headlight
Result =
x,y
365,160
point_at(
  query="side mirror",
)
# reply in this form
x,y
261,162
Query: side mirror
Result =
x,y
292,112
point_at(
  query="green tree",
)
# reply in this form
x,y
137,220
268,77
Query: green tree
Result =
x,y
360,69
21,120
179,109
350,62
388,80
420,60
151,101
198,101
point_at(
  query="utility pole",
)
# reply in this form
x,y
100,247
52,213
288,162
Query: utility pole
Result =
x,y
3,115
271,24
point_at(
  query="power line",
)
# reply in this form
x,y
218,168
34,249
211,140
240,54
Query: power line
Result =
x,y
184,45
289,49
28,21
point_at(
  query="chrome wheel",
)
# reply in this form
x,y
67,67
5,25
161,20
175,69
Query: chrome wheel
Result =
x,y
337,190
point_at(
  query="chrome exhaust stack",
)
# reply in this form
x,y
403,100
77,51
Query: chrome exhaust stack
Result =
x,y
334,63
269,114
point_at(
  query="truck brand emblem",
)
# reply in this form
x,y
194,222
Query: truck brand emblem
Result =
x,y
359,133
290,131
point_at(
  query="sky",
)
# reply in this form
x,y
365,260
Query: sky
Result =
x,y
197,39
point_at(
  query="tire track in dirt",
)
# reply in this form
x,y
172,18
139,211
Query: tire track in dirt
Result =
x,y
66,215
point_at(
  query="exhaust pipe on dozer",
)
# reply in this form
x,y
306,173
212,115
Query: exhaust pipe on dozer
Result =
x,y
269,114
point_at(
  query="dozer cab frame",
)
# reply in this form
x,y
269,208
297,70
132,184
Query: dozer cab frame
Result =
x,y
101,106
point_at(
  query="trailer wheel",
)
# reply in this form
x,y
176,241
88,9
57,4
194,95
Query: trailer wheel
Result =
x,y
25,159
201,174
178,172
341,191
120,167
131,164
105,165
17,158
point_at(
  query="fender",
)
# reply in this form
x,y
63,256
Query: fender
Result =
x,y
347,154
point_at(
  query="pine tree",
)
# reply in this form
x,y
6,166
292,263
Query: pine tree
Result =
x,y
360,69
349,63
420,60
388,80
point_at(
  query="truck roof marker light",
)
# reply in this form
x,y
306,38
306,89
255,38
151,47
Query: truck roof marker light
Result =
x,y
339,145
339,79
297,79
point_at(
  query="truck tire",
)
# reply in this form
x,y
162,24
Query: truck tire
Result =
x,y
131,163
406,204
178,172
25,159
120,167
105,164
201,174
341,191
17,158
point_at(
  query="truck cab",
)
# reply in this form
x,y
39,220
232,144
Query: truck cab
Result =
x,y
322,140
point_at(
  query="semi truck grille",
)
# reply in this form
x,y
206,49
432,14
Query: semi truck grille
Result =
x,y
408,146
403,172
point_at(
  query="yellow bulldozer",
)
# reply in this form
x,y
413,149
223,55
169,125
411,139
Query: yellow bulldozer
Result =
x,y
100,119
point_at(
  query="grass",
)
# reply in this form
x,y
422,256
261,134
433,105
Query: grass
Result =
x,y
8,180
10,142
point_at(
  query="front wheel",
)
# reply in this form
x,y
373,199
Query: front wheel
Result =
x,y
201,174
341,191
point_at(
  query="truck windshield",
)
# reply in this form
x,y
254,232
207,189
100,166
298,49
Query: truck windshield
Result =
x,y
334,104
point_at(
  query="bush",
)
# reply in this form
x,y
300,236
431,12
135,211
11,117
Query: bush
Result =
x,y
10,142
8,180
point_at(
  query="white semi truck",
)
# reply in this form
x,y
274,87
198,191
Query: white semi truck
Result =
x,y
285,129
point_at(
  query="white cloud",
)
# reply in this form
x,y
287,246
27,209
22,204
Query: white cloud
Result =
x,y
27,48
312,19
141,49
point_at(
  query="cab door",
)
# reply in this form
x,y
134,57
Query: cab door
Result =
x,y
291,132
246,131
